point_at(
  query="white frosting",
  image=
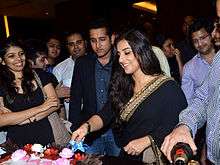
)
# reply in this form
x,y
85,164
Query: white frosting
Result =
x,y
37,148
66,153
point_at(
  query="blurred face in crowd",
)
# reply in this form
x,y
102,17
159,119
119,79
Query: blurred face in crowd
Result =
x,y
168,48
54,47
216,34
40,61
188,20
202,41
14,59
216,31
127,59
100,42
76,45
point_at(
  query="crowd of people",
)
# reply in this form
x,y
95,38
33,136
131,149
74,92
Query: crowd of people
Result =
x,y
118,92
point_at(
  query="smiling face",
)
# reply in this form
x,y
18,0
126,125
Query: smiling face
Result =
x,y
127,59
76,45
14,59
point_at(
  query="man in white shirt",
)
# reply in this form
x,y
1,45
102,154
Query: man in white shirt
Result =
x,y
76,46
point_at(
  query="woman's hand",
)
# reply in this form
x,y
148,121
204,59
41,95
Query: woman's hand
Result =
x,y
178,55
80,133
135,147
49,103
4,110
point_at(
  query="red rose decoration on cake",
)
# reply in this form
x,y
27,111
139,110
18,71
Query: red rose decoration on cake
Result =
x,y
27,148
37,154
51,153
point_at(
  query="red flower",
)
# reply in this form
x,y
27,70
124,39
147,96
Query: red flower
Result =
x,y
51,153
79,156
27,148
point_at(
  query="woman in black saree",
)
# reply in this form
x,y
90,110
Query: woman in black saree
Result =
x,y
143,103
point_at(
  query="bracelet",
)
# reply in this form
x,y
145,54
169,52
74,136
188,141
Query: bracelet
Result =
x,y
89,127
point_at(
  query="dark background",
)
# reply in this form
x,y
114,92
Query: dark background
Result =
x,y
75,14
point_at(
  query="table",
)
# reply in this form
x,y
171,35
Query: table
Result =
x,y
110,160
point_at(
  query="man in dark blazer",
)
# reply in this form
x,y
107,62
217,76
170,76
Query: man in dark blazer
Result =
x,y
89,89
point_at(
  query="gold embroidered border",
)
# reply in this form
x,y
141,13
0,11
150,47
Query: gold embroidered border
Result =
x,y
136,100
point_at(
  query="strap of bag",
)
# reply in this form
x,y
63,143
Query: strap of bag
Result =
x,y
61,135
155,150
37,79
152,155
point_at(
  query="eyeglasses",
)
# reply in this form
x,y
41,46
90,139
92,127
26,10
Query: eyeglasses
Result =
x,y
200,39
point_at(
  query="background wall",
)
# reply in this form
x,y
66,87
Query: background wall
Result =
x,y
74,14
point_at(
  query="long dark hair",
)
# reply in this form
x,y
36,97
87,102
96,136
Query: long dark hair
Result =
x,y
7,77
122,84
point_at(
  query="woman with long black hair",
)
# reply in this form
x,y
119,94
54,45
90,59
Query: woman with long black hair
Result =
x,y
23,107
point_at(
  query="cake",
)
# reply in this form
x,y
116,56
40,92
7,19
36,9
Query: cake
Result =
x,y
37,154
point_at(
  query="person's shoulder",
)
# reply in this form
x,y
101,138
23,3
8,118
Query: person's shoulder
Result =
x,y
157,50
171,90
86,59
39,71
62,63
42,73
216,58
169,84
88,56
159,53
192,62
46,77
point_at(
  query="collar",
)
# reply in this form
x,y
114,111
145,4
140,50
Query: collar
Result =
x,y
110,60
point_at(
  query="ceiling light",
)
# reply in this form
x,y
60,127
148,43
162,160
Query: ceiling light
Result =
x,y
146,6
6,26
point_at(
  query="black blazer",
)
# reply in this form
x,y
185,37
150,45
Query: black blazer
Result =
x,y
83,91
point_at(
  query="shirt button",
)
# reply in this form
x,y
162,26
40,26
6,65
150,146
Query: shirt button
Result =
x,y
102,90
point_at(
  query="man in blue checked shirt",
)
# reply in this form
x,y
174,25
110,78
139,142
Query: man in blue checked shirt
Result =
x,y
205,107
